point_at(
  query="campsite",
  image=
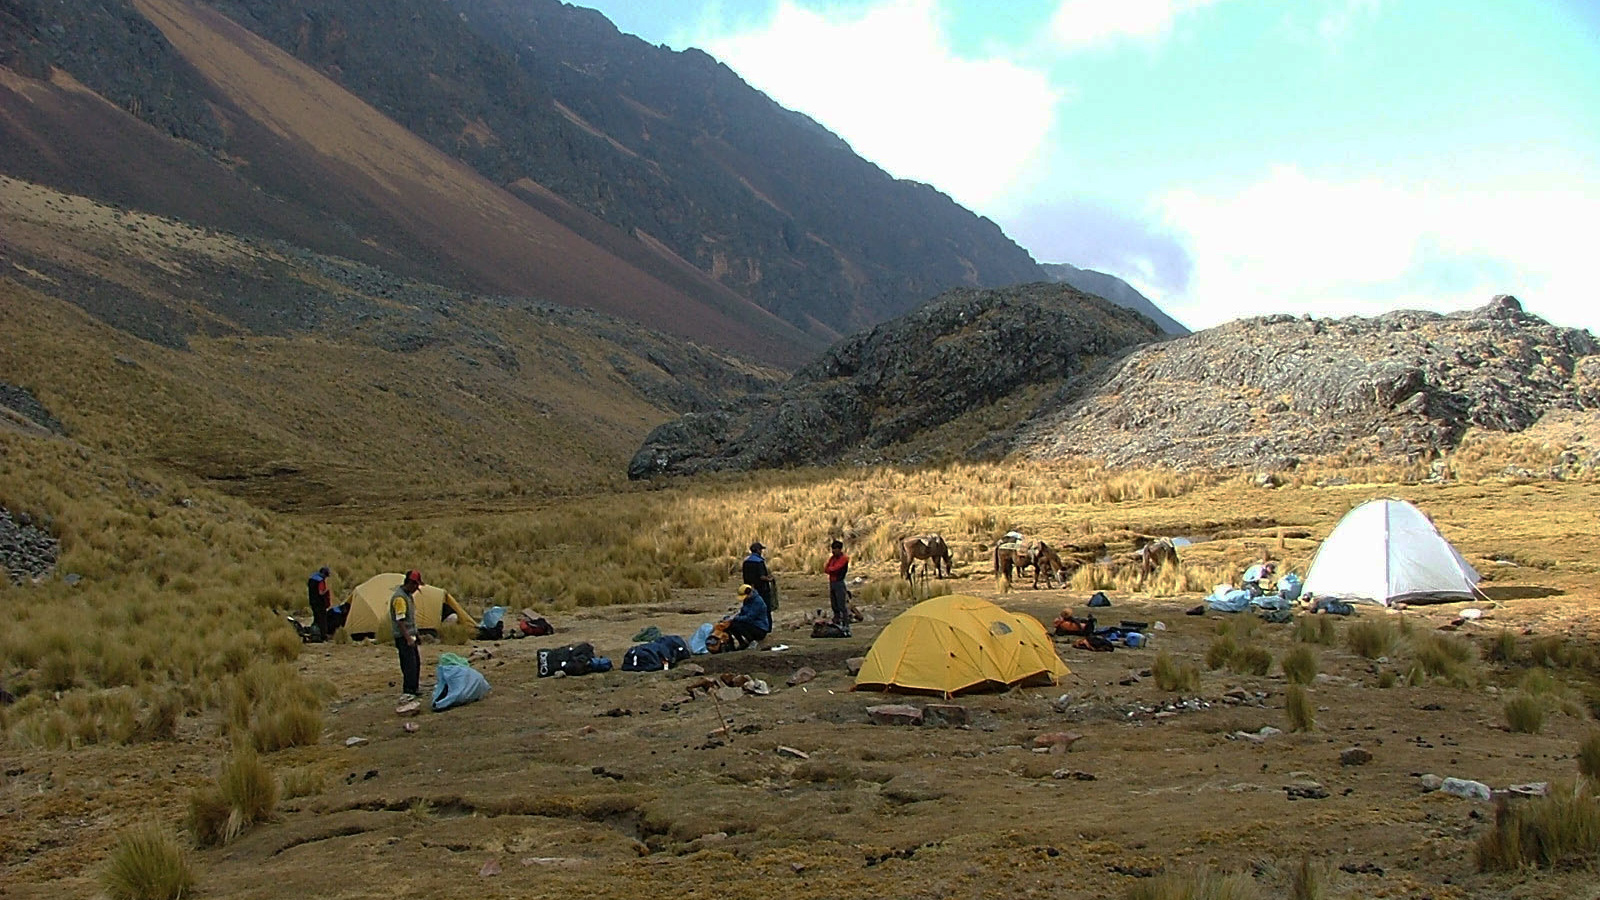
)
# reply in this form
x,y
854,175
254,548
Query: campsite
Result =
x,y
683,782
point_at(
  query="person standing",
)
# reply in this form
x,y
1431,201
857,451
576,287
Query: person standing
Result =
x,y
320,596
837,567
757,575
403,624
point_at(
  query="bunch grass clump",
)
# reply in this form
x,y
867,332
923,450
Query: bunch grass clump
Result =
x,y
1201,884
1314,630
1589,756
1371,638
1300,665
147,864
1174,677
1446,656
1541,832
1525,713
1250,659
244,794
1300,711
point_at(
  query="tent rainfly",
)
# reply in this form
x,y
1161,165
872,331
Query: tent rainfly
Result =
x,y
959,643
369,606
1385,551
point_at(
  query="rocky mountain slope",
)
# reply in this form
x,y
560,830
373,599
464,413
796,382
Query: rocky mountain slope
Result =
x,y
301,379
520,148
1114,289
966,355
1265,393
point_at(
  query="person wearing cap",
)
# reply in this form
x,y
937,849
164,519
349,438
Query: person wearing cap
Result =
x,y
403,624
320,596
757,575
753,622
837,567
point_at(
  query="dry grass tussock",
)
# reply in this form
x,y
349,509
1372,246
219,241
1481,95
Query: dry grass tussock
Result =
x,y
244,793
1543,832
148,863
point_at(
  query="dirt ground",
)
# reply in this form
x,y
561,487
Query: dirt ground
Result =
x,y
600,786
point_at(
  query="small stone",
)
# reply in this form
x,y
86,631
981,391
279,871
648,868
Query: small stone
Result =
x,y
408,708
1355,756
728,694
1531,789
1430,783
1057,741
802,675
354,741
792,753
689,670
491,868
717,734
412,727
944,714
853,664
894,714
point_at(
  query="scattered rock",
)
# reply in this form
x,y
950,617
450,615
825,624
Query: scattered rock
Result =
x,y
412,727
1057,741
853,664
944,714
907,788
1531,789
689,670
728,694
894,714
756,686
354,741
491,868
802,675
1070,775
409,708
1430,783
1466,789
792,753
1355,756
1306,791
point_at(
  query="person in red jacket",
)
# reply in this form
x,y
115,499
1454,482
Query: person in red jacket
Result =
x,y
837,567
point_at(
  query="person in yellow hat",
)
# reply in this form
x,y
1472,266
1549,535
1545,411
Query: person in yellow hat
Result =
x,y
753,622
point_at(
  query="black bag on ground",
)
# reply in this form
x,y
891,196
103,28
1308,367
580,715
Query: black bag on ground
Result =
x,y
662,653
572,659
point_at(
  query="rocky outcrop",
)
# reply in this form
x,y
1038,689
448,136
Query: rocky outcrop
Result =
x,y
964,350
1265,392
26,551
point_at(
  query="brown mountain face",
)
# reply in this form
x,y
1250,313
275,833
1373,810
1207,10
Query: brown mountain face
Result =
x,y
301,159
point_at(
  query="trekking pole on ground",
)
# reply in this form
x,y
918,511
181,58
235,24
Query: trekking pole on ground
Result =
x,y
722,721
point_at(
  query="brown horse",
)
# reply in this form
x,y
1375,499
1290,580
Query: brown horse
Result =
x,y
925,547
1038,554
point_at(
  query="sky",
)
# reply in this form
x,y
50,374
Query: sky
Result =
x,y
1228,158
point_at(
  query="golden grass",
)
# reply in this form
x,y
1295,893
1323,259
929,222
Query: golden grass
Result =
x,y
1315,629
147,864
245,793
1300,665
1455,659
1371,638
1299,710
1589,755
1203,884
1525,713
1175,677
1541,832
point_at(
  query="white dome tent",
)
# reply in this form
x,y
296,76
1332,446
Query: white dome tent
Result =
x,y
1385,551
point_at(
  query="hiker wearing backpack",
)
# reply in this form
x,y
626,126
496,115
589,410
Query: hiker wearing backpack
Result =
x,y
753,622
403,624
837,567
756,575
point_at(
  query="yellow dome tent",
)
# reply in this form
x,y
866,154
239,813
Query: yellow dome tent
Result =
x,y
959,643
369,606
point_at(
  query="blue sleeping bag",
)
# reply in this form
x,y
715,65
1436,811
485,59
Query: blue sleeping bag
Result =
x,y
454,685
1227,598
662,653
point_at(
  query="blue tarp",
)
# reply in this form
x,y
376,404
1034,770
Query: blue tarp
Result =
x,y
455,685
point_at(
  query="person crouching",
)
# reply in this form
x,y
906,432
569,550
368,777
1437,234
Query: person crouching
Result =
x,y
753,622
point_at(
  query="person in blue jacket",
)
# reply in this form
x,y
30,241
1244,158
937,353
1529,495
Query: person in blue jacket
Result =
x,y
752,623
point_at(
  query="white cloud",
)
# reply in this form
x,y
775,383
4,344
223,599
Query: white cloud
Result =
x,y
885,79
1085,23
1291,243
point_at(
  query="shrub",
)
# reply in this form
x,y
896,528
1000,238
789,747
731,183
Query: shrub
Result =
x,y
1300,665
1175,678
1543,832
1370,638
1314,630
1197,885
147,864
1297,707
1525,713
